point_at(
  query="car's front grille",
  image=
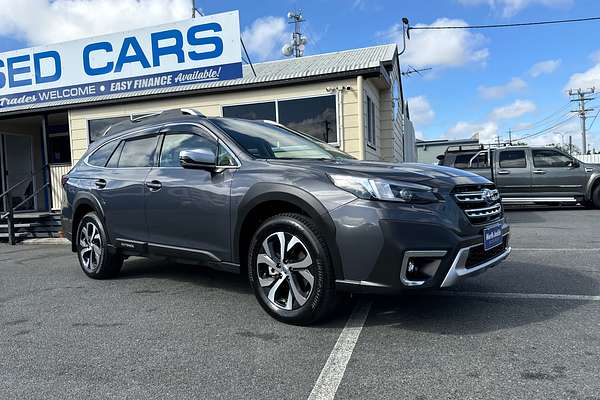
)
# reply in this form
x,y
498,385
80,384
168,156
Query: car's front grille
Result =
x,y
478,255
481,203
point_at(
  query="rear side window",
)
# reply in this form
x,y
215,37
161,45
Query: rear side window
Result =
x,y
138,152
471,161
100,156
550,159
513,159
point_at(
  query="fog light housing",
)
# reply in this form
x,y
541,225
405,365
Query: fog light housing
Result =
x,y
418,267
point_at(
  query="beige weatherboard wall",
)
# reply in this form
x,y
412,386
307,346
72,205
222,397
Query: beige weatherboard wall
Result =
x,y
211,105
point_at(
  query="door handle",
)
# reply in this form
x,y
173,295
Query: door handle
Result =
x,y
100,183
503,172
539,171
154,186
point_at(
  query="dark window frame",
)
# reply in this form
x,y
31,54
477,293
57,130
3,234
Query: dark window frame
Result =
x,y
370,131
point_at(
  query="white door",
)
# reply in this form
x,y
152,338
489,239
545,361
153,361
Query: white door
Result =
x,y
18,164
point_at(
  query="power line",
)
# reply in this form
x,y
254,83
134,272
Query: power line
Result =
x,y
518,24
545,130
548,120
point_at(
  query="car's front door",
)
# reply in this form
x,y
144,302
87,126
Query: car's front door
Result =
x,y
188,209
556,174
513,172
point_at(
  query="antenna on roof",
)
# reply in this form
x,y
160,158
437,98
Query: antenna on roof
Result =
x,y
297,45
247,56
412,70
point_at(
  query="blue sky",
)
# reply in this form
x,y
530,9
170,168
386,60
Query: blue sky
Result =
x,y
481,81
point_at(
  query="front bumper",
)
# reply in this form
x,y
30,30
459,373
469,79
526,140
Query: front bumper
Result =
x,y
376,241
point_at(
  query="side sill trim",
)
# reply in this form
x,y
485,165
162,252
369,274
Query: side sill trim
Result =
x,y
360,283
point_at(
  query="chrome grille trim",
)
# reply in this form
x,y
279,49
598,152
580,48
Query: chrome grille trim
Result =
x,y
480,203
484,212
476,197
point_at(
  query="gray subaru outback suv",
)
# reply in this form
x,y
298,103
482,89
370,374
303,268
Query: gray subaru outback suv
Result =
x,y
301,218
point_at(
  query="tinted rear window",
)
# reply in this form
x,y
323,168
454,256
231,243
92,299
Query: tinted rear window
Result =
x,y
138,152
100,156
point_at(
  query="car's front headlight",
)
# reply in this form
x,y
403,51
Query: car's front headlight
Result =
x,y
380,189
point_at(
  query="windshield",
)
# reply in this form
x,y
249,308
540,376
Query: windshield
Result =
x,y
269,141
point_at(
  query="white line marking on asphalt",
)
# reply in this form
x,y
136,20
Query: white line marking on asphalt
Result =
x,y
542,296
539,249
333,371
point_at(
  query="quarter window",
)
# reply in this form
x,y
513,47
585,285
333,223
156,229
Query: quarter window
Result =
x,y
138,153
550,159
173,144
100,156
513,159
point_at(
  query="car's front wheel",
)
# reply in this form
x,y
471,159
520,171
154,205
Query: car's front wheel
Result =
x,y
290,270
95,259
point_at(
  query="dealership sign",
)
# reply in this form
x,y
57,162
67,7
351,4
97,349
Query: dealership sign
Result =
x,y
183,53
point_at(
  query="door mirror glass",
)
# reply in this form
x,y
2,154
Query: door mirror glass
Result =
x,y
574,164
198,158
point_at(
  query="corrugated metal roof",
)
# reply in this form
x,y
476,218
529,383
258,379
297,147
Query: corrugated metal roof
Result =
x,y
282,70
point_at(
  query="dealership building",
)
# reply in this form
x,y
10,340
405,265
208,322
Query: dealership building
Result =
x,y
351,99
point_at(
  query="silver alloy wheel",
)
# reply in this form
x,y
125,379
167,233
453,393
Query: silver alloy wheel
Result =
x,y
90,247
283,271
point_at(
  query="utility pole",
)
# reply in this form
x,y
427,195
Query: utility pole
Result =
x,y
579,95
196,10
570,145
510,137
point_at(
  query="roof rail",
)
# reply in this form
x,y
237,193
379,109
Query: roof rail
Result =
x,y
135,118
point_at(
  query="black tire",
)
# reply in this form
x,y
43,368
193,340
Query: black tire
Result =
x,y
95,259
596,196
310,301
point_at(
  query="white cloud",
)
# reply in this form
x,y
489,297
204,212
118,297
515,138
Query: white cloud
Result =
x,y
513,110
46,21
450,48
485,131
508,8
586,79
265,37
499,91
544,67
421,112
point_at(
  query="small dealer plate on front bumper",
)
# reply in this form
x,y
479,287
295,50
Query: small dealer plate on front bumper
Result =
x,y
492,236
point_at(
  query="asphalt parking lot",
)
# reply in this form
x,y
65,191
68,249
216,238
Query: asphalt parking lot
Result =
x,y
527,329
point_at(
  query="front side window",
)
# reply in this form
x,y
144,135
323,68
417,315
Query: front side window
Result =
x,y
138,152
175,143
268,141
315,116
256,111
513,159
550,159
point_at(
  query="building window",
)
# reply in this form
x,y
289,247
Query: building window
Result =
x,y
260,111
315,116
97,127
370,122
57,136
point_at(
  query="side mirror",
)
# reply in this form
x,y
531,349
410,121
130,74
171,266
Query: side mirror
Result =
x,y
198,158
574,164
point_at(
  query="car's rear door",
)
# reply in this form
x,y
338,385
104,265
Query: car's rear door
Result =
x,y
188,210
556,174
121,188
513,172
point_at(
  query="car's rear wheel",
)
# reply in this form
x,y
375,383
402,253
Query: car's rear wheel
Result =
x,y
95,259
290,270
